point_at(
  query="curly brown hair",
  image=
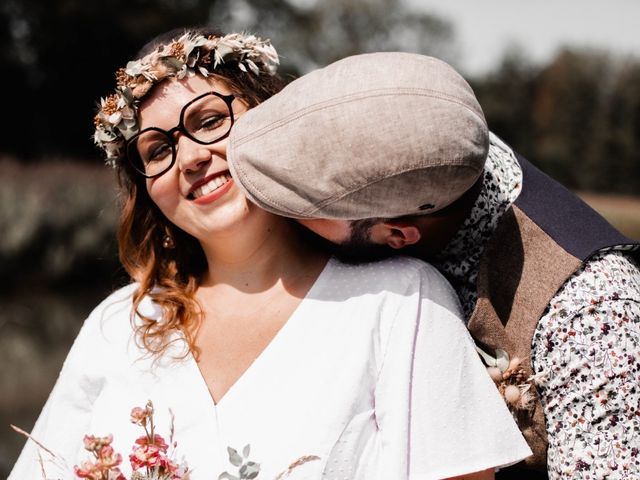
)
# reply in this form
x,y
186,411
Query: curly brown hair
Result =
x,y
170,276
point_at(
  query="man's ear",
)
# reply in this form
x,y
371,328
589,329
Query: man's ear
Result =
x,y
396,234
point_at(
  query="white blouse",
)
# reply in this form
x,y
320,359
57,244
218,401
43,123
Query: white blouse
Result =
x,y
374,374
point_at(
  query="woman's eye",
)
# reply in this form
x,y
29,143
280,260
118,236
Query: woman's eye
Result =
x,y
212,122
157,152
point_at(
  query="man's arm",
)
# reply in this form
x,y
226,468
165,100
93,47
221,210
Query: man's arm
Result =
x,y
587,346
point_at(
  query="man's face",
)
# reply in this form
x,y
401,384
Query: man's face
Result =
x,y
350,241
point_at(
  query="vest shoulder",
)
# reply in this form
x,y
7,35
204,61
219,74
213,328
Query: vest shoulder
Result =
x,y
563,216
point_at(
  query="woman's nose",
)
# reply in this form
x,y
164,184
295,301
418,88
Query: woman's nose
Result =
x,y
190,155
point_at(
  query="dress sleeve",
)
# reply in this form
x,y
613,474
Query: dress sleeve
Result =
x,y
436,406
66,415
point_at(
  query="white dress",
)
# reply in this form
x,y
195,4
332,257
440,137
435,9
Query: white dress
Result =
x,y
374,373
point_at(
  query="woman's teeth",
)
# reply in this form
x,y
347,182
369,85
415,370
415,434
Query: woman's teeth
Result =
x,y
211,185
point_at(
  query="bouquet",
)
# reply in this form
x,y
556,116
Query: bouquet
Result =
x,y
151,457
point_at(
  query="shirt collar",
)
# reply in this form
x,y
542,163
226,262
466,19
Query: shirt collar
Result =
x,y
501,185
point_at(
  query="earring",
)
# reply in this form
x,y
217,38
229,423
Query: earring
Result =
x,y
167,242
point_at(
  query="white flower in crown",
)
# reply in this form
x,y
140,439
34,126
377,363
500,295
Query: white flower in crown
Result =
x,y
116,120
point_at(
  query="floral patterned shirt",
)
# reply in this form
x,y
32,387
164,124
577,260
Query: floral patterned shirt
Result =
x,y
501,185
586,346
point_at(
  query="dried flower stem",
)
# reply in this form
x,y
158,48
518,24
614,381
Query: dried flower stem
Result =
x,y
299,462
28,435
60,461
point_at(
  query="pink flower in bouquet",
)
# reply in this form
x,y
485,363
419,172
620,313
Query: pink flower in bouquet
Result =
x,y
108,458
88,470
139,416
151,454
93,471
158,441
93,443
106,463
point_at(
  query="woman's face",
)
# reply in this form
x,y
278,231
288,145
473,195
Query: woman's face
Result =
x,y
197,194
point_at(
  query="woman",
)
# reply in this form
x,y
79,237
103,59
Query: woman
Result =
x,y
240,329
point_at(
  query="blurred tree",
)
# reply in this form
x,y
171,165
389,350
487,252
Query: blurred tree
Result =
x,y
58,226
506,96
59,56
568,115
313,33
578,117
618,161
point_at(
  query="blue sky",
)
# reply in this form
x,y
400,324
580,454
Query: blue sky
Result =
x,y
485,28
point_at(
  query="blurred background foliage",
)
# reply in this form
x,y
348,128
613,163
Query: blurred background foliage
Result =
x,y
577,117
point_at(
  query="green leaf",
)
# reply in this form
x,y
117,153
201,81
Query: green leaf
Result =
x,y
234,457
227,476
249,470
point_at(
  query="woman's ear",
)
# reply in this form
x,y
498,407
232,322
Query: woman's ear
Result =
x,y
396,234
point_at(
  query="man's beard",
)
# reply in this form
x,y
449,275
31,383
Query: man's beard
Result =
x,y
357,249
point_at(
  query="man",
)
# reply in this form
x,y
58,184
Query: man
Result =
x,y
391,151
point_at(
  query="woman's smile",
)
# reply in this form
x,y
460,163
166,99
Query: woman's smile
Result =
x,y
211,188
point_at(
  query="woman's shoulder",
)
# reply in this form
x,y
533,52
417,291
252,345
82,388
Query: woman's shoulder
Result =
x,y
105,334
112,317
396,270
398,275
115,304
120,302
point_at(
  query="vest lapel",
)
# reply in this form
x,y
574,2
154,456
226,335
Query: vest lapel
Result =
x,y
520,271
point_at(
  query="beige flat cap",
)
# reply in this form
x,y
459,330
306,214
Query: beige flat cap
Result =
x,y
374,135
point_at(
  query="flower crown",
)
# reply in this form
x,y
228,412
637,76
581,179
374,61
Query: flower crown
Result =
x,y
117,117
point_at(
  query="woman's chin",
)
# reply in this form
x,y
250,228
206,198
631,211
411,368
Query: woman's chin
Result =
x,y
233,218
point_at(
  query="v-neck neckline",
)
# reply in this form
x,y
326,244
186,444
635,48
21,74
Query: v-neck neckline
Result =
x,y
266,351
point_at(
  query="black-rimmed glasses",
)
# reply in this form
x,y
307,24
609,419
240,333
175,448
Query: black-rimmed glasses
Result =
x,y
206,119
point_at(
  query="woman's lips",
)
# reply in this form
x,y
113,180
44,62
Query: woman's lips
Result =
x,y
211,189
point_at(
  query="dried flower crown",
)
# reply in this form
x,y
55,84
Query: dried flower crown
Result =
x,y
116,120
